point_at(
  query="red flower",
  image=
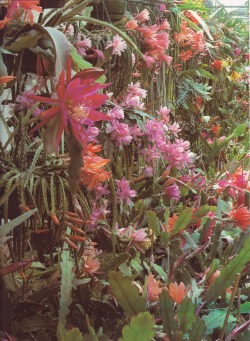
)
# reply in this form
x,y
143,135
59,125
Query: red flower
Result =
x,y
75,104
186,55
241,216
217,65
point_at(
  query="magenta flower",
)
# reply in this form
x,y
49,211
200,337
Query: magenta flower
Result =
x,y
172,192
124,193
75,104
119,132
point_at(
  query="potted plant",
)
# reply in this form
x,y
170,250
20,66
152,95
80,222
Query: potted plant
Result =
x,y
113,10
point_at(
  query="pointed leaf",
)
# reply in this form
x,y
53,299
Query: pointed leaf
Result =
x,y
8,269
168,314
228,273
186,315
126,294
6,228
202,23
141,328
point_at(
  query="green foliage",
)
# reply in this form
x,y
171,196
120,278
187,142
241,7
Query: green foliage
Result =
x,y
68,335
140,328
215,319
168,314
67,276
228,273
8,227
197,331
186,315
153,222
126,294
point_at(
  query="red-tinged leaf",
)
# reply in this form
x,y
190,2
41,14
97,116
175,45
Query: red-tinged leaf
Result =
x,y
91,73
76,229
75,220
70,243
8,269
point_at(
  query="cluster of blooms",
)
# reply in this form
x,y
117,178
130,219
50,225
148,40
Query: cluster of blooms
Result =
x,y
163,137
195,42
92,173
154,38
20,8
137,238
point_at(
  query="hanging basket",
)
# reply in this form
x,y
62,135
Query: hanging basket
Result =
x,y
112,10
52,3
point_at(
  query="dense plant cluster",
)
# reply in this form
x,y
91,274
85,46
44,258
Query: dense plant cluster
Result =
x,y
124,174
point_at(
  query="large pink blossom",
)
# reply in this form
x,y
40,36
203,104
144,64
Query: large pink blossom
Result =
x,y
124,192
118,45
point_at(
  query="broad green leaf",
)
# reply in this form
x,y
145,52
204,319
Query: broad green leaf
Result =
x,y
8,227
67,276
215,319
114,263
245,308
153,222
182,221
126,294
206,74
186,315
140,328
168,314
197,331
228,273
81,63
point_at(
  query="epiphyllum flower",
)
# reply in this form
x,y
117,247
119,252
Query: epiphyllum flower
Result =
x,y
75,104
92,173
14,11
241,216
153,289
177,292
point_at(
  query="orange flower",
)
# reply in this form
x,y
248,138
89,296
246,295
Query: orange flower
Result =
x,y
241,217
153,289
186,55
189,15
177,292
215,129
92,173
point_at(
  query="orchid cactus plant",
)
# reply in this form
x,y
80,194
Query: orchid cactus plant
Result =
x,y
124,173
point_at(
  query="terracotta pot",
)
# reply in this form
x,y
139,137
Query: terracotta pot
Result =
x,y
52,3
113,10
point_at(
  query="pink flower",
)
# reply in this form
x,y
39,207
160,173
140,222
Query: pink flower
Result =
x,y
101,190
143,16
136,132
132,25
174,128
178,154
164,113
91,133
124,193
118,44
119,132
75,104
91,264
117,112
134,236
134,89
172,192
